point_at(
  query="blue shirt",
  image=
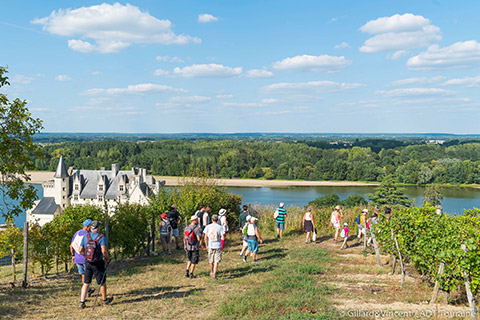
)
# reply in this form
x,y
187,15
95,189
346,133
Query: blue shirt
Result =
x,y
94,235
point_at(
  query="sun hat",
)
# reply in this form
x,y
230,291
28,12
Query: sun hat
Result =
x,y
173,206
253,219
87,222
194,217
249,217
345,224
163,216
222,212
365,210
337,208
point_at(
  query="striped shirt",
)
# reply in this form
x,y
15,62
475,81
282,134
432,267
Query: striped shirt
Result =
x,y
281,215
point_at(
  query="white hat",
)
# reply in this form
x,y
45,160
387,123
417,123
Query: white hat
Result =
x,y
365,210
194,217
253,219
282,204
222,212
345,224
249,217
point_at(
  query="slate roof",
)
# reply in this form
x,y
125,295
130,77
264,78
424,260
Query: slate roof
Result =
x,y
46,206
61,169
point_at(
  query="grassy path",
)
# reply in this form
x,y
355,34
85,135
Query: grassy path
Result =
x,y
292,281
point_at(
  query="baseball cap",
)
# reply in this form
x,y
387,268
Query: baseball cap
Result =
x,y
345,224
163,215
252,219
95,224
365,210
194,217
249,217
87,222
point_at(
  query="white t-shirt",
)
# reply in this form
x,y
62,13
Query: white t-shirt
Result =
x,y
223,223
214,234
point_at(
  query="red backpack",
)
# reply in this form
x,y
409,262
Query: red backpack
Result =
x,y
93,250
190,236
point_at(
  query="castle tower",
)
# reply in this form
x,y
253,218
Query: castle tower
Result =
x,y
62,185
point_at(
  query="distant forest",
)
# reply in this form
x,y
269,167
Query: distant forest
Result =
x,y
357,160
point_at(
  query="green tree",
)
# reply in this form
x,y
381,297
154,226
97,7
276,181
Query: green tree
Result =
x,y
326,201
433,196
17,152
354,200
389,193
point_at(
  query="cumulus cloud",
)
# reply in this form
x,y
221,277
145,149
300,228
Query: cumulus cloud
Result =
x,y
224,96
420,80
312,86
343,45
270,100
464,82
259,73
160,72
409,92
168,59
107,28
458,55
399,32
143,88
21,79
205,18
62,78
323,63
207,71
190,99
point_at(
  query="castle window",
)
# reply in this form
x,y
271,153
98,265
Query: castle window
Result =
x,y
121,187
75,197
100,198
100,187
76,187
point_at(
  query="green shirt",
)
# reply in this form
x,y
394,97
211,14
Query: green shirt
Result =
x,y
242,219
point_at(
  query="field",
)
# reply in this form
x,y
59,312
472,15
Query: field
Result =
x,y
293,280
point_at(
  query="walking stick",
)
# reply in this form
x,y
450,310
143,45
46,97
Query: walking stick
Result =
x,y
101,283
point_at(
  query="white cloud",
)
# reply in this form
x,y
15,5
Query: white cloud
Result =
x,y
399,32
109,28
21,79
323,63
96,73
458,55
343,45
224,96
397,54
205,17
168,59
190,99
408,92
160,72
63,77
421,80
310,86
259,73
242,104
207,71
271,100
144,88
464,82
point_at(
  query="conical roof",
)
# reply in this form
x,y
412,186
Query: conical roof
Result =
x,y
61,169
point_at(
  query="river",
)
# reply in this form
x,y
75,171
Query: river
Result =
x,y
455,199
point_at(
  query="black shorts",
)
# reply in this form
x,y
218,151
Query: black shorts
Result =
x,y
193,256
97,270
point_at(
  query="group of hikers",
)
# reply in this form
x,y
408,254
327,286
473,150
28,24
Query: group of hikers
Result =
x,y
89,248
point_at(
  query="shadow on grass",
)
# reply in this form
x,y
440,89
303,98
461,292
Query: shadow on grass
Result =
x,y
235,273
323,238
136,265
273,256
156,293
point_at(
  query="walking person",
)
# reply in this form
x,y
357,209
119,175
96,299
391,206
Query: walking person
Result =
x,y
335,221
344,235
280,220
308,224
213,234
175,220
224,223
75,250
165,233
244,236
242,219
206,216
361,224
199,215
191,243
253,237
94,248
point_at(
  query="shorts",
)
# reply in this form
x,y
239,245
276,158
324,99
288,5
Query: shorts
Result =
x,y
281,226
308,226
97,270
253,245
337,226
165,238
214,255
193,256
175,233
81,268
245,243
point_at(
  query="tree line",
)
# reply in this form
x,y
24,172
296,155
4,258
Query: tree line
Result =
x,y
411,164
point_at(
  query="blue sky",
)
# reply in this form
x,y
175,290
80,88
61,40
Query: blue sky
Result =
x,y
245,66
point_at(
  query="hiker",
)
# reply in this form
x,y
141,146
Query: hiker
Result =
x,y
165,233
244,237
344,235
335,221
253,237
94,248
370,226
308,224
242,217
199,215
175,220
361,224
75,249
213,234
191,244
206,217
280,220
224,223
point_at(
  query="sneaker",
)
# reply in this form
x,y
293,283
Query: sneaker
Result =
x,y
178,248
163,253
251,254
255,261
82,305
90,292
244,258
278,236
169,251
342,248
108,300
192,276
186,273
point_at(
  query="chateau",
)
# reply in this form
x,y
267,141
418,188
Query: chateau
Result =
x,y
96,187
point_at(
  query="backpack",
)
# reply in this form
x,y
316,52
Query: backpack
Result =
x,y
191,237
245,230
275,214
167,224
342,234
93,250
358,219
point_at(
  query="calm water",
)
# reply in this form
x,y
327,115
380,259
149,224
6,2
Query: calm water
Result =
x,y
455,199
20,220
